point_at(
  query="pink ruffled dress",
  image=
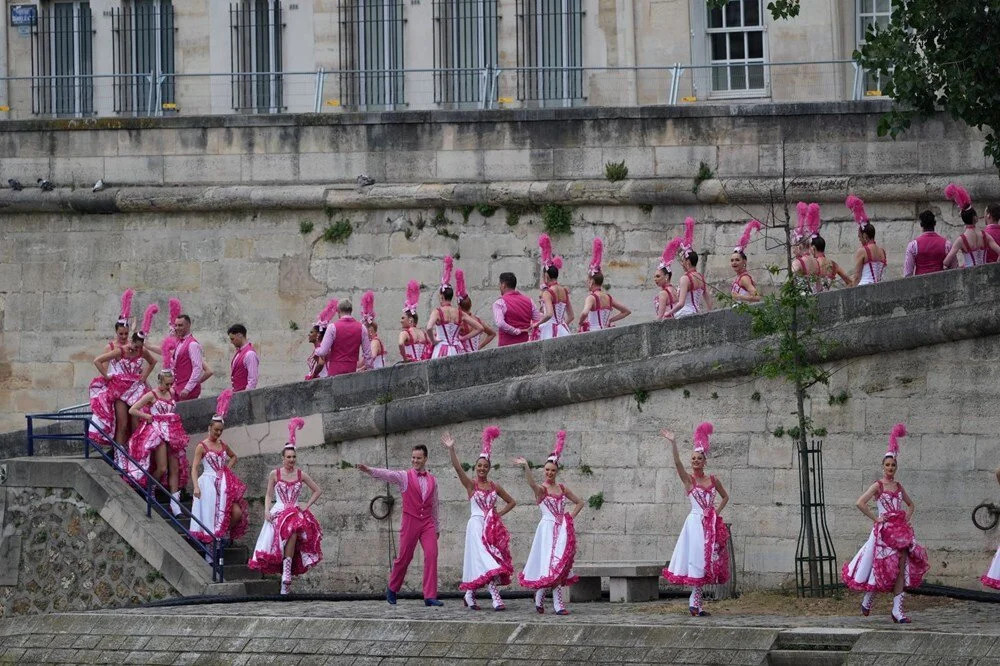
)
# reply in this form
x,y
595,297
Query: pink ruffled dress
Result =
x,y
992,577
287,519
700,555
487,543
220,490
165,427
124,383
448,335
550,562
875,567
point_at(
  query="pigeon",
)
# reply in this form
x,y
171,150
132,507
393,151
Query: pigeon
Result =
x,y
15,184
46,185
99,185
364,180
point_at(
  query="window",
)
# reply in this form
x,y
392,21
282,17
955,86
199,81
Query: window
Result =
x,y
143,51
736,48
255,55
550,50
875,13
465,50
371,53
62,60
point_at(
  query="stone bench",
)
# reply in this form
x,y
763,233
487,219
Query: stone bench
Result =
x,y
627,581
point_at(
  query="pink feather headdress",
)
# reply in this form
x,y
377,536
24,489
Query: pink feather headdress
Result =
x,y
167,349
449,264
557,261
596,256
857,207
326,314
812,220
751,226
461,292
802,211
701,434
489,434
688,243
174,307
959,195
670,253
545,247
147,319
412,297
368,307
125,314
898,430
557,452
294,425
222,405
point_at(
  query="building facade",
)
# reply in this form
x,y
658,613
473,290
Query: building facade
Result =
x,y
157,57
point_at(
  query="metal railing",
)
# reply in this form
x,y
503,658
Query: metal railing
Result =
x,y
488,87
213,550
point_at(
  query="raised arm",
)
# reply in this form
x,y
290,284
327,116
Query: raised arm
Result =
x,y
577,502
723,496
449,444
509,502
864,501
681,472
535,488
316,492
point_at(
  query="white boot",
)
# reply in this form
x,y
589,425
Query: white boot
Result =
x,y
540,600
286,575
558,601
866,603
898,615
175,503
495,595
470,600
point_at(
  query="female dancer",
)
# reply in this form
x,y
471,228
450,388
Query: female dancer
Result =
x,y
550,561
123,374
556,309
971,242
479,340
700,556
666,298
98,384
891,559
744,289
446,321
414,345
290,539
599,304
992,577
487,541
804,266
693,296
316,366
870,260
829,270
218,493
368,319
161,435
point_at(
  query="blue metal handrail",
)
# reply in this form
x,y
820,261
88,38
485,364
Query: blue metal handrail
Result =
x,y
214,551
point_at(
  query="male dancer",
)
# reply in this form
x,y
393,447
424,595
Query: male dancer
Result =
x,y
244,366
341,343
420,522
515,314
187,360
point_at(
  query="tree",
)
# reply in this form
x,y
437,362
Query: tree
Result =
x,y
780,9
938,55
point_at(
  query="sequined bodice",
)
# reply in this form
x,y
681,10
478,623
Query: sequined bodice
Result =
x,y
483,501
161,406
890,501
287,492
214,461
702,499
447,332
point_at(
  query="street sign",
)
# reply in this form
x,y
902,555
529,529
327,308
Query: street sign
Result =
x,y
23,15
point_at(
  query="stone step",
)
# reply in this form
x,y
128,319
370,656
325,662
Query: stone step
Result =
x,y
810,657
262,587
236,554
234,572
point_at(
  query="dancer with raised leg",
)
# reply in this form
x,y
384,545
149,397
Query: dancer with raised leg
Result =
x,y
553,550
487,560
700,555
891,559
992,577
290,540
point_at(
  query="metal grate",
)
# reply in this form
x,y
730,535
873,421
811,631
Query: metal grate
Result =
x,y
255,54
816,570
371,53
62,60
465,50
550,50
143,51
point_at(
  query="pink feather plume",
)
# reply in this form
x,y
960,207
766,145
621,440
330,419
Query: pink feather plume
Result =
x,y
751,226
557,261
688,232
222,403
670,253
812,219
126,311
294,425
174,309
368,306
596,256
560,444
489,434
326,314
802,211
167,348
449,265
545,246
898,430
959,195
701,434
412,296
857,207
460,290
147,319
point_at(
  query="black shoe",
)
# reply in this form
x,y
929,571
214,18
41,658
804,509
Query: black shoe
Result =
x,y
433,602
390,596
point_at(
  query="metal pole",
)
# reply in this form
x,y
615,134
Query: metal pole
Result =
x,y
31,437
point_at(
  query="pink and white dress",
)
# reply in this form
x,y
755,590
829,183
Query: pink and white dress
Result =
x,y
598,318
550,562
287,519
414,351
974,257
487,543
166,427
700,555
992,577
311,365
124,383
220,490
694,300
556,327
378,362
737,287
875,567
671,300
872,270
448,335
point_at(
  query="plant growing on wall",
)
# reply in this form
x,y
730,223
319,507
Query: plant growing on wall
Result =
x,y
338,232
557,219
615,171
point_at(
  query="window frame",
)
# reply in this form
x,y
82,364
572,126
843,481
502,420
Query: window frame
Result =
x,y
859,41
728,63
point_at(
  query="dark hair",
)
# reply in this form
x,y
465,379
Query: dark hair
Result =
x,y
868,230
374,326
137,337
447,292
927,221
412,315
969,215
237,329
691,256
818,243
598,279
120,324
465,303
552,271
184,317
421,447
508,280
993,210
740,252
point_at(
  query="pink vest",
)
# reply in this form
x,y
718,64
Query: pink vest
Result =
x,y
930,253
182,368
994,231
518,315
343,358
415,506
238,370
